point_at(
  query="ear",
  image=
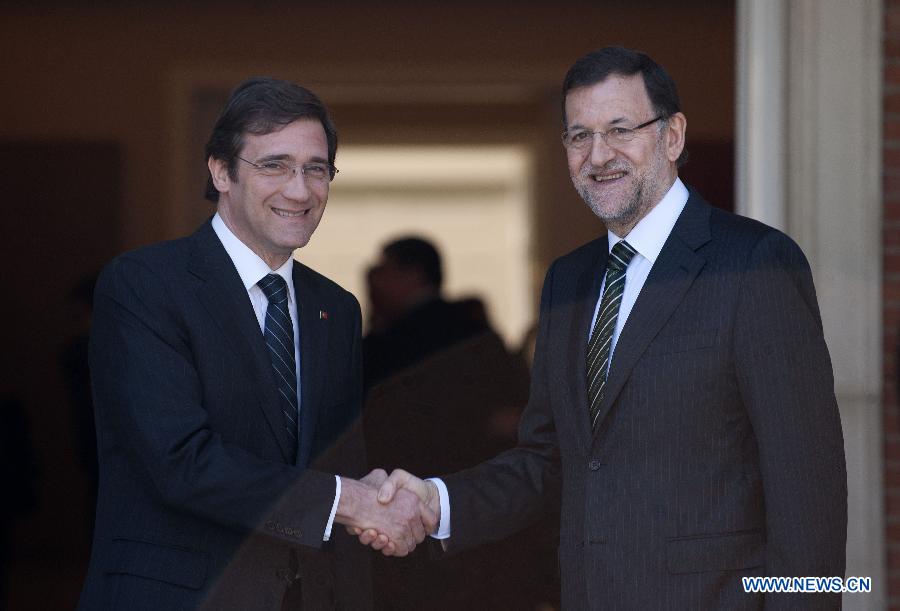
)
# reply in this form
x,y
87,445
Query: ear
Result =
x,y
675,130
218,169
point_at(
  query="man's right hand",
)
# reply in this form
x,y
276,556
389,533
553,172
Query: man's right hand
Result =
x,y
394,526
400,482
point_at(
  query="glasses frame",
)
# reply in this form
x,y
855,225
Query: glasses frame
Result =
x,y
332,170
605,134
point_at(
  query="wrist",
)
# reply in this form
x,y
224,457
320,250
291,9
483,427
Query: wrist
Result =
x,y
352,498
434,501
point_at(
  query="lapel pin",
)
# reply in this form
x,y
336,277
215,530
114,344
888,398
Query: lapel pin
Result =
x,y
323,314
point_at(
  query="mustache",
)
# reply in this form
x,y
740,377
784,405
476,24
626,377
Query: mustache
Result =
x,y
613,166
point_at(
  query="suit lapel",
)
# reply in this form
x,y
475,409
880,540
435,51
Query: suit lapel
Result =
x,y
225,298
587,291
672,274
314,327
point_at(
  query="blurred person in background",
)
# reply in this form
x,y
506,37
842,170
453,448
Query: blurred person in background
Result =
x,y
18,478
443,394
76,374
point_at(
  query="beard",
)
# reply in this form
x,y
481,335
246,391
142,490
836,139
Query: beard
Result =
x,y
625,202
611,208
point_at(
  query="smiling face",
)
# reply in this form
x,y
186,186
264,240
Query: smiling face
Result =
x,y
621,185
273,217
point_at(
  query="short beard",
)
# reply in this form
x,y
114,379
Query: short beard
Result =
x,y
637,206
625,216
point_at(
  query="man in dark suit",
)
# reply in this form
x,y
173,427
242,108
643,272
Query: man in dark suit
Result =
x,y
227,384
685,421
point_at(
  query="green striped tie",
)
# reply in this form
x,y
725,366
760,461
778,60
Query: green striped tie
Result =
x,y
601,336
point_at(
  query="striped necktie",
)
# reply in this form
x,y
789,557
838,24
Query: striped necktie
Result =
x,y
279,335
601,337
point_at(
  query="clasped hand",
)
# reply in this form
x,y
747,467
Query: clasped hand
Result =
x,y
391,514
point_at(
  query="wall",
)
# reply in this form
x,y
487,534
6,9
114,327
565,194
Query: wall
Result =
x,y
891,292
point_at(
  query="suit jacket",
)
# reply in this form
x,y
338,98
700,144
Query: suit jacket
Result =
x,y
719,452
430,328
198,505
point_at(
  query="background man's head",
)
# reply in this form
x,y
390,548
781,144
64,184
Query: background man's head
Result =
x,y
408,272
624,133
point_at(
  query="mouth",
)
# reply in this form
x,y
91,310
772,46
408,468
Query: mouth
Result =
x,y
607,177
290,214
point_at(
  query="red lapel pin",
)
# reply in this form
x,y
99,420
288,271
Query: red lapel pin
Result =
x,y
323,314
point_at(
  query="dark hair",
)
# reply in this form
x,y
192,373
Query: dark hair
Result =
x,y
414,251
597,66
261,105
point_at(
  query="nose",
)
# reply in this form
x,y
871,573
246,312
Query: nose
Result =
x,y
296,187
601,153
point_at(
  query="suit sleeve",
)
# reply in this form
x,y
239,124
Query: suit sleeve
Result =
x,y
785,379
508,493
150,411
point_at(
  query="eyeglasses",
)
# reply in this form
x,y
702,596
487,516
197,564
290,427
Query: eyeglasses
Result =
x,y
583,139
279,170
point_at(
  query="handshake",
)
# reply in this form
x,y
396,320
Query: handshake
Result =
x,y
391,514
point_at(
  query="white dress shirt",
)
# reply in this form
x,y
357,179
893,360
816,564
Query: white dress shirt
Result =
x,y
647,237
251,268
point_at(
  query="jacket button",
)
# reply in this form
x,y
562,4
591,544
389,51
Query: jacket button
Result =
x,y
594,465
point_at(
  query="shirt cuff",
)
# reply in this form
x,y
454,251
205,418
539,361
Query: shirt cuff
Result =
x,y
337,497
443,531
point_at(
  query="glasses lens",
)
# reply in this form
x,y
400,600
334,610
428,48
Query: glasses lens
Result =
x,y
317,171
578,139
273,169
619,135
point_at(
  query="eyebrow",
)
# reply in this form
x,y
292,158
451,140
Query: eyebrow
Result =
x,y
286,157
274,157
616,121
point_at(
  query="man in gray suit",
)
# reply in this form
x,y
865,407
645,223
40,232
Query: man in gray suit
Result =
x,y
682,409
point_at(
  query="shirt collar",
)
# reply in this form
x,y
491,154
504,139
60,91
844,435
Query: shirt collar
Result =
x,y
250,267
652,231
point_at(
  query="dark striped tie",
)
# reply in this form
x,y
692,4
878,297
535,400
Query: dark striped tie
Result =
x,y
279,335
601,337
